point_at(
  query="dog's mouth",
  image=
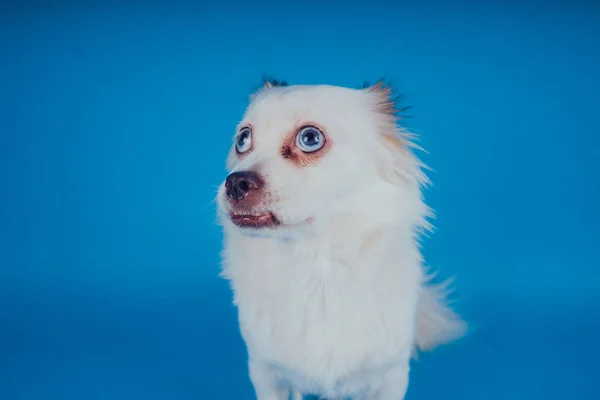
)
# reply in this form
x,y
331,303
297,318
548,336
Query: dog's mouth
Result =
x,y
255,221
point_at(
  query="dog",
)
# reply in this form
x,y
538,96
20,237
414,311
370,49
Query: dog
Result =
x,y
322,215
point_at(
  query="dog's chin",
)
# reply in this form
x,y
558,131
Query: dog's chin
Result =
x,y
254,221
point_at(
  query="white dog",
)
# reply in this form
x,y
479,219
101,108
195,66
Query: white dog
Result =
x,y
322,213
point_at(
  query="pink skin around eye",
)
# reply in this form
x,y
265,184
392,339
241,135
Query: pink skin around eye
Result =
x,y
291,152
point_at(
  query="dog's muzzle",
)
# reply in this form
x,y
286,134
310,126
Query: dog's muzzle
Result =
x,y
245,193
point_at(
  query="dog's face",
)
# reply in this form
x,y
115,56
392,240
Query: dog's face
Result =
x,y
303,154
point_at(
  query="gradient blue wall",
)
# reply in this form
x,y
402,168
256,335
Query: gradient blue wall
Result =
x,y
114,125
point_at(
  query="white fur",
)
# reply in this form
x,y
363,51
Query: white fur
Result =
x,y
335,301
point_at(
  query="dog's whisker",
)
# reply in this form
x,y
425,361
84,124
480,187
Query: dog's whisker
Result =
x,y
211,202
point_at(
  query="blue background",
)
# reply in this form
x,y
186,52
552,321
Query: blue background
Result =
x,y
114,125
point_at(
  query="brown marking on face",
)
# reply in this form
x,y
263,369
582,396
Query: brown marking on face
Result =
x,y
244,154
289,151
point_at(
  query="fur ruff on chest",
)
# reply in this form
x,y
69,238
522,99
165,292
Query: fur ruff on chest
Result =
x,y
321,318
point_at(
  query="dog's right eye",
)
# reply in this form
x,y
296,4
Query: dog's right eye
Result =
x,y
310,139
243,142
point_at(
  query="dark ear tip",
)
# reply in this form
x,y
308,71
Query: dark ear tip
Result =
x,y
385,88
270,81
381,83
267,82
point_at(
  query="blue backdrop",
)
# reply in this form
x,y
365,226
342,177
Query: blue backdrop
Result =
x,y
114,125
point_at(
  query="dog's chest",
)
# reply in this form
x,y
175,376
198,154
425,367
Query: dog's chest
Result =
x,y
324,321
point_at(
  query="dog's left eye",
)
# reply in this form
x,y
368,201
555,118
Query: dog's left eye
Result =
x,y
310,139
243,142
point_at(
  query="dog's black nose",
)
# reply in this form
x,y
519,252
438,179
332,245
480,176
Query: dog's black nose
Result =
x,y
239,184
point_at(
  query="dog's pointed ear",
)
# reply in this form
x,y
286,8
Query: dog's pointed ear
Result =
x,y
388,102
398,164
267,82
387,105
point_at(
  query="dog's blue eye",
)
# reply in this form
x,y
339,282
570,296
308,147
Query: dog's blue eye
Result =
x,y
243,143
310,139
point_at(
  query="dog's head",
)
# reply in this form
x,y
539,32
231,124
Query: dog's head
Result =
x,y
304,156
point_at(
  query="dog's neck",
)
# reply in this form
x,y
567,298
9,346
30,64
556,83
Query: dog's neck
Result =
x,y
347,238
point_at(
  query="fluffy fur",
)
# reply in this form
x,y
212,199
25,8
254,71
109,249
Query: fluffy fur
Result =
x,y
334,299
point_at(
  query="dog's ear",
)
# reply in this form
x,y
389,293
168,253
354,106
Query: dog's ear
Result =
x,y
267,82
388,109
397,162
388,101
